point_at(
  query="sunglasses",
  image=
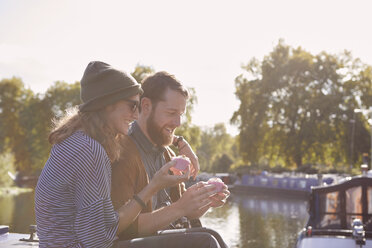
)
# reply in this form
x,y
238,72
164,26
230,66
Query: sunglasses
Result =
x,y
133,104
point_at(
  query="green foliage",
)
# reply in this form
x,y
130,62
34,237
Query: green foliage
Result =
x,y
61,96
13,97
222,164
308,169
6,165
25,120
296,107
141,71
218,150
188,130
39,113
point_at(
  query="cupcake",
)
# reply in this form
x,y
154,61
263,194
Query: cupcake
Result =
x,y
182,164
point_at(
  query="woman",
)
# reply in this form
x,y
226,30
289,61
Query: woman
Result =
x,y
72,198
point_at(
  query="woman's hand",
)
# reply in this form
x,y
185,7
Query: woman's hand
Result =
x,y
163,179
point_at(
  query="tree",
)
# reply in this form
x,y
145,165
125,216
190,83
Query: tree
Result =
x,y
223,163
37,117
141,71
13,95
188,130
216,144
295,106
25,120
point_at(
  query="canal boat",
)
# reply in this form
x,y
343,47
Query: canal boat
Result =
x,y
288,186
340,215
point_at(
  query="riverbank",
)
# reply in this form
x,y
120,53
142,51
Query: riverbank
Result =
x,y
5,191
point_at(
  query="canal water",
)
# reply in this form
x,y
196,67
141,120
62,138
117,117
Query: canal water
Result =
x,y
245,221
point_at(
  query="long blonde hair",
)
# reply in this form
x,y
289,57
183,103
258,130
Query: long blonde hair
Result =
x,y
94,124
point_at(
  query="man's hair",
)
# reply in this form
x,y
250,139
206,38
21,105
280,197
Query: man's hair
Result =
x,y
155,85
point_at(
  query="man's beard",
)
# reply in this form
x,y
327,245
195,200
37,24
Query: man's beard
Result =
x,y
156,132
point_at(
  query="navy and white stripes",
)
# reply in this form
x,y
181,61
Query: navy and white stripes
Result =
x,y
72,199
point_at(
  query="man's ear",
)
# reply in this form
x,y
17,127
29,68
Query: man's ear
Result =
x,y
146,105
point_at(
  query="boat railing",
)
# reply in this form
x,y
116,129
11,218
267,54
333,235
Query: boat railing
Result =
x,y
308,232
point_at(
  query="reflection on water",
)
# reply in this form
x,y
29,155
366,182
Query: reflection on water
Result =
x,y
256,221
246,221
17,212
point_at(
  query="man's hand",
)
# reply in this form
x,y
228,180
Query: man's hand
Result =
x,y
184,148
195,201
219,199
162,179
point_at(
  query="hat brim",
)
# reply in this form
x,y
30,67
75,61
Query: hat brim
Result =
x,y
111,98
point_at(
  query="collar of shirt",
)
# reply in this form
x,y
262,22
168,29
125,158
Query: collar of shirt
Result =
x,y
142,141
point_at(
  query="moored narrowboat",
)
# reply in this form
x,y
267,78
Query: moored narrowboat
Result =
x,y
291,186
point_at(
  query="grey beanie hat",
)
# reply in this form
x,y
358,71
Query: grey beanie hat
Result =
x,y
102,85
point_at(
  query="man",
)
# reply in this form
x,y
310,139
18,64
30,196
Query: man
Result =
x,y
161,108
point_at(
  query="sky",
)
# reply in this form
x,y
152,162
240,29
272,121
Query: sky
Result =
x,y
203,43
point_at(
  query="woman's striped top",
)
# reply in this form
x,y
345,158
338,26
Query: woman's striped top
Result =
x,y
72,199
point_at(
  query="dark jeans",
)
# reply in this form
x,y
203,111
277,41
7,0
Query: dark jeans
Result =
x,y
177,238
